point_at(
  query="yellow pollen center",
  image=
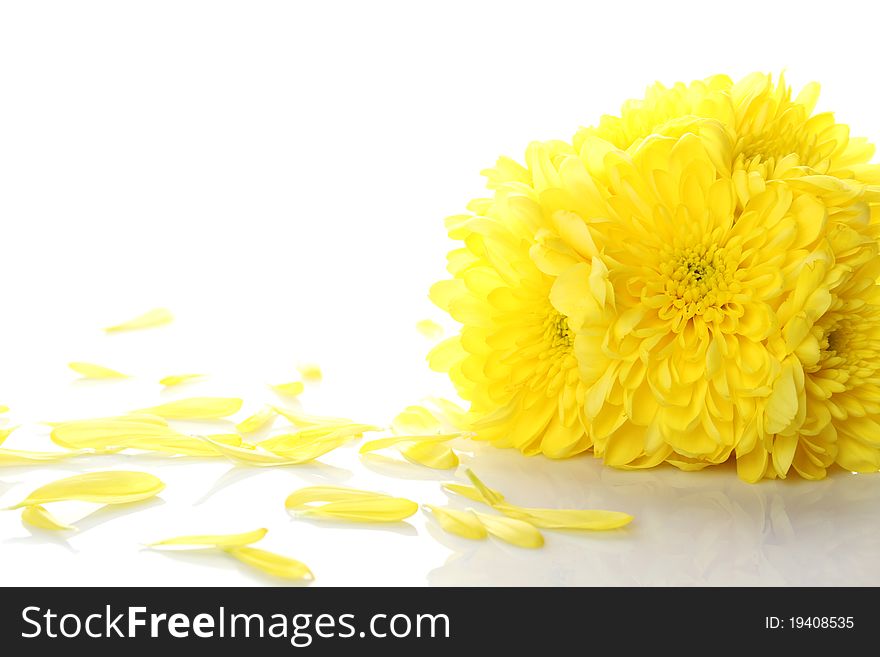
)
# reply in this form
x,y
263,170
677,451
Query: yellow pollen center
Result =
x,y
557,332
698,277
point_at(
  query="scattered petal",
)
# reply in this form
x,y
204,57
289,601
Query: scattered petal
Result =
x,y
490,497
251,455
547,518
341,503
462,523
16,457
156,317
196,408
214,540
299,419
92,371
4,433
301,448
472,493
451,413
430,329
310,372
513,531
271,563
259,420
415,420
177,379
38,516
4,409
110,487
292,389
431,455
382,443
567,518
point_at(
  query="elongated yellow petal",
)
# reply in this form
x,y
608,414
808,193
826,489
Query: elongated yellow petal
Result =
x,y
462,523
92,371
196,408
99,433
490,497
251,456
302,450
547,518
155,317
567,518
271,563
511,530
299,419
177,379
382,443
4,408
350,504
431,455
257,421
111,487
472,493
310,372
415,420
430,329
5,432
38,516
291,389
214,540
17,457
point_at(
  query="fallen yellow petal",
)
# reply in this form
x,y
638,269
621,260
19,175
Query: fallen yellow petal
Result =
x,y
4,433
415,420
196,408
291,389
16,457
430,329
382,443
462,523
341,503
177,379
310,372
511,530
567,518
271,563
472,493
303,420
490,497
431,455
4,408
111,487
92,371
38,516
546,518
300,449
214,540
251,455
155,317
257,421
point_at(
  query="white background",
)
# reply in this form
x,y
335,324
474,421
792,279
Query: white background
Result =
x,y
277,173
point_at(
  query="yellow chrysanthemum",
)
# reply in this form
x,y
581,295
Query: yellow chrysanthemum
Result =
x,y
513,359
707,263
768,127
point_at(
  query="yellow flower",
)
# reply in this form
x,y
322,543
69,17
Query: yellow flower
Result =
x,y
706,263
771,131
513,359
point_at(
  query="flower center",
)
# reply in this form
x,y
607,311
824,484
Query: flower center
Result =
x,y
698,277
557,332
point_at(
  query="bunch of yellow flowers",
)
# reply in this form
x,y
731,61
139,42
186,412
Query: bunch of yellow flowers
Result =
x,y
690,282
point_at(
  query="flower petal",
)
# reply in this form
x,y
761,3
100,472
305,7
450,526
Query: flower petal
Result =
x,y
196,408
178,379
310,372
461,523
214,540
342,503
257,421
38,516
92,371
431,455
155,317
109,487
271,563
510,530
291,389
